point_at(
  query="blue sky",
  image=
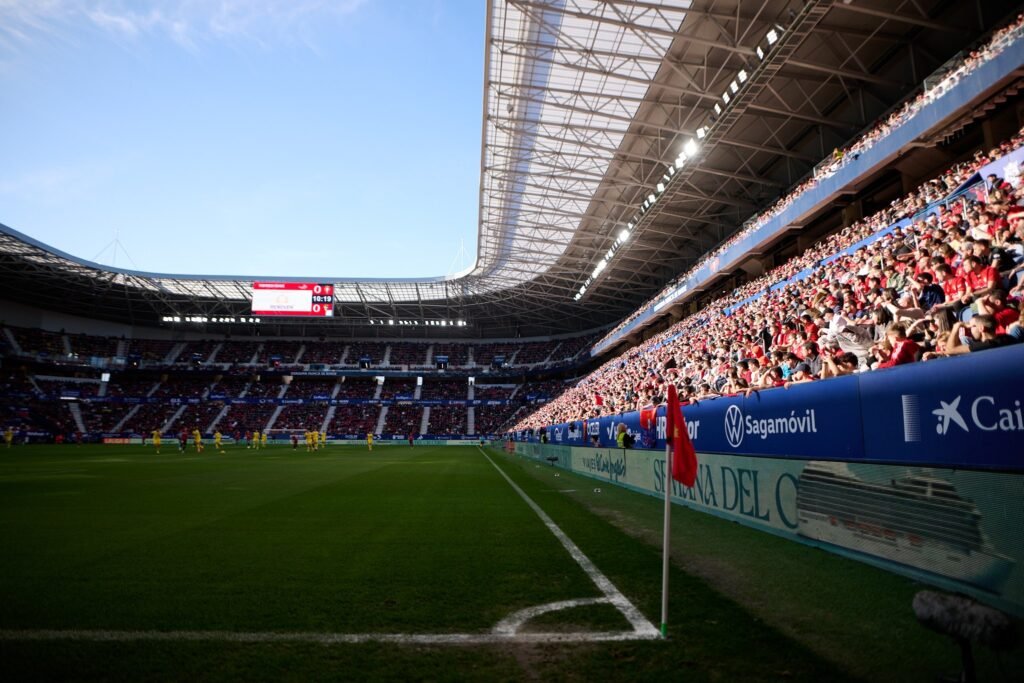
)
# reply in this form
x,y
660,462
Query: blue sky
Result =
x,y
248,137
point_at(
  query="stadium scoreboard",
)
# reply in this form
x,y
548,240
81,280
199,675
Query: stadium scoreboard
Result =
x,y
300,299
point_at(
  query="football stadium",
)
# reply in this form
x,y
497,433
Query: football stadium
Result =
x,y
731,389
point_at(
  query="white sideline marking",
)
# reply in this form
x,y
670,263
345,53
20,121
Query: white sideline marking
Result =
x,y
640,623
321,638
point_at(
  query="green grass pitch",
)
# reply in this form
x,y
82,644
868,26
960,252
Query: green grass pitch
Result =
x,y
425,540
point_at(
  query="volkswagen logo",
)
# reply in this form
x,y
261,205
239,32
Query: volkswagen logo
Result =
x,y
734,426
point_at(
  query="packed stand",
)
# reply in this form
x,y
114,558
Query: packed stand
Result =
x,y
242,418
39,342
492,392
950,283
533,353
403,419
183,387
358,350
308,416
440,389
484,354
458,354
148,418
323,352
357,387
408,354
354,419
264,388
199,416
151,350
128,385
447,420
281,351
240,352
931,90
395,387
310,388
493,419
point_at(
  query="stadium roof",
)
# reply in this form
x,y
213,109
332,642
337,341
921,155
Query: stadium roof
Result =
x,y
586,104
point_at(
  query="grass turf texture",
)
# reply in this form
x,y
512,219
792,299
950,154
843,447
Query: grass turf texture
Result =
x,y
424,540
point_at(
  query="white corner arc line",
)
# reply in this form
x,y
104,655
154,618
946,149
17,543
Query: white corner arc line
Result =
x,y
511,624
641,625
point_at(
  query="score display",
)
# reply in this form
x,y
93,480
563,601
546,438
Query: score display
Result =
x,y
300,299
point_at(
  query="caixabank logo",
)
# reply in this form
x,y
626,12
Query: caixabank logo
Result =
x,y
959,416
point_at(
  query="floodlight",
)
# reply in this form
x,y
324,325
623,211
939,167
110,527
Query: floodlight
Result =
x,y
743,75
760,52
624,235
718,108
735,87
660,187
391,322
671,171
725,97
651,198
701,132
773,36
691,147
680,160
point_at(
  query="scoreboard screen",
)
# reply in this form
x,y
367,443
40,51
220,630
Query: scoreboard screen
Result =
x,y
300,299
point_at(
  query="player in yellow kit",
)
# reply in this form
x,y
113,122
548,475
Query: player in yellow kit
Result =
x,y
323,439
9,437
369,440
316,440
197,438
263,440
256,440
309,441
156,440
216,441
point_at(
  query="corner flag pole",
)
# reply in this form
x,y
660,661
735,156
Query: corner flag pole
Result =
x,y
665,539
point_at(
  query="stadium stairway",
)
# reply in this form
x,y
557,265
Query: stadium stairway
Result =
x,y
223,411
76,413
471,420
425,421
213,354
419,392
430,356
173,354
344,355
122,348
553,352
379,428
13,341
298,356
376,393
127,416
67,344
273,418
167,425
471,357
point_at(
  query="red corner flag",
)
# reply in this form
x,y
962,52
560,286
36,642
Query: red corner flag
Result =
x,y
684,458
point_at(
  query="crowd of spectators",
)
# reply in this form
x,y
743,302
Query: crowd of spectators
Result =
x,y
444,389
67,387
148,418
87,345
493,419
458,354
197,416
408,354
948,283
446,420
281,351
151,350
403,419
245,417
358,350
259,387
307,416
309,387
324,352
183,387
357,387
354,419
493,392
931,89
397,386
130,385
235,351
39,342
484,354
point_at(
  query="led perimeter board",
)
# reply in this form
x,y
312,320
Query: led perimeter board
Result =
x,y
299,299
